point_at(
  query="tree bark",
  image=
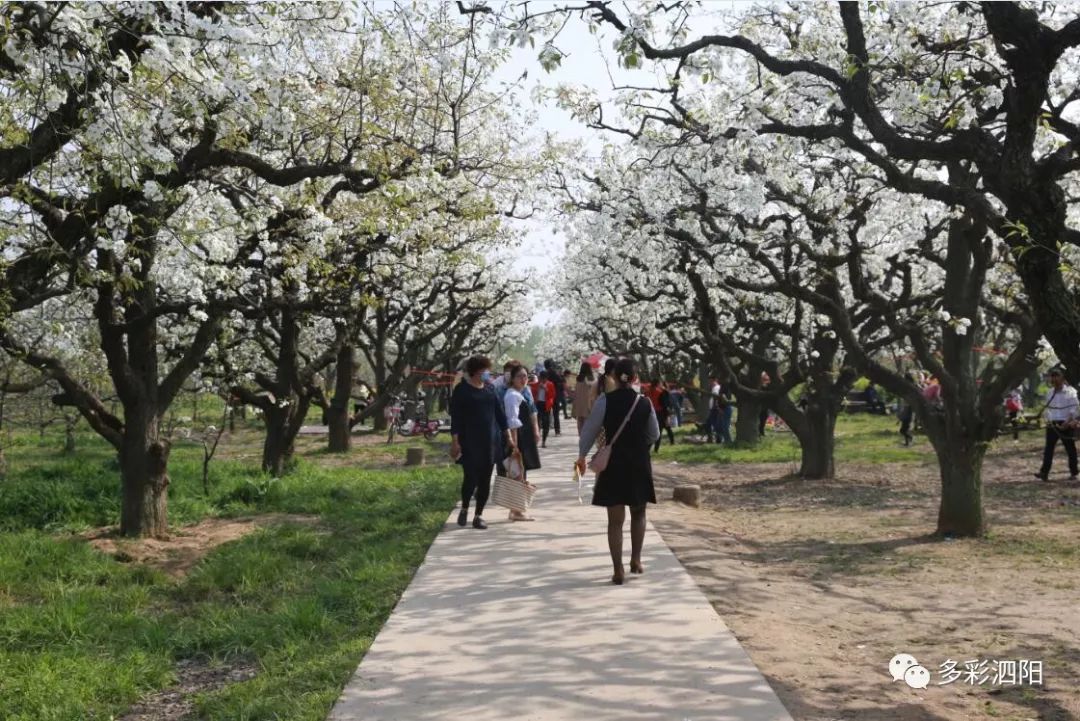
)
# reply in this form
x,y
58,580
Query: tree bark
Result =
x,y
277,450
701,404
818,444
338,413
282,427
960,458
747,413
144,459
1053,302
961,511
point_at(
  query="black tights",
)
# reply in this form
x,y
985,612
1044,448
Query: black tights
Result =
x,y
477,480
616,516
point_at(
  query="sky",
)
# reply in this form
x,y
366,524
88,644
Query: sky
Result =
x,y
589,61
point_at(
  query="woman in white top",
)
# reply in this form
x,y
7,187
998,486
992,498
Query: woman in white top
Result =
x,y
524,429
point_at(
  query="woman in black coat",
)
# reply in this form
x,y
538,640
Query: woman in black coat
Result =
x,y
478,431
627,480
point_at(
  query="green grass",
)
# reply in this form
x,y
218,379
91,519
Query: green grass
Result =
x,y
860,438
83,636
1035,546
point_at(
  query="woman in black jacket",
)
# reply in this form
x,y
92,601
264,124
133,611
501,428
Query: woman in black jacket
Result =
x,y
478,431
627,480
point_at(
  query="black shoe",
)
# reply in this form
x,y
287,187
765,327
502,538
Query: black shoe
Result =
x,y
463,517
478,522
1042,477
1074,478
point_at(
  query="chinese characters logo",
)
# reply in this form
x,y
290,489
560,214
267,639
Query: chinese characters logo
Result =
x,y
975,672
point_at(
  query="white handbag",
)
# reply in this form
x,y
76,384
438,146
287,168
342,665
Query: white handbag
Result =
x,y
512,493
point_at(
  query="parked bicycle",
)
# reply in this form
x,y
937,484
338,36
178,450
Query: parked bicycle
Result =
x,y
397,424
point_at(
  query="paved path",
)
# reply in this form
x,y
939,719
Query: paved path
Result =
x,y
521,621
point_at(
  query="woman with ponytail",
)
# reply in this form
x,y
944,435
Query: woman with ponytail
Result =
x,y
629,421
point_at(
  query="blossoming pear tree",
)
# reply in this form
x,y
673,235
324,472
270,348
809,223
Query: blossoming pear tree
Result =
x,y
971,105
146,172
883,270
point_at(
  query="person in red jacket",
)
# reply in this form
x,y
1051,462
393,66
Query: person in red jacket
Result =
x,y
543,391
661,403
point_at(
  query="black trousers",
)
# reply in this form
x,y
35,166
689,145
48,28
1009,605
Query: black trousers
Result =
x,y
544,419
905,425
556,412
1055,433
477,480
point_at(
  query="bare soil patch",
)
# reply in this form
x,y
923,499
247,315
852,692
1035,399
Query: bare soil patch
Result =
x,y
193,677
179,553
823,582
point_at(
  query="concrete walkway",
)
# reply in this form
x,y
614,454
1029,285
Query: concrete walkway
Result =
x,y
521,621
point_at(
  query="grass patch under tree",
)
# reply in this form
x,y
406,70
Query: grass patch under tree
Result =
x,y
84,636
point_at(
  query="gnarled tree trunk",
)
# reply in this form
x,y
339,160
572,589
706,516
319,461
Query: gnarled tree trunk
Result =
x,y
144,460
338,412
960,454
747,415
814,421
818,444
282,426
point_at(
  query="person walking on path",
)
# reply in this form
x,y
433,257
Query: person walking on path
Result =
x,y
718,424
1014,406
606,382
583,394
568,393
1062,412
712,421
478,430
631,426
524,431
906,415
544,393
727,410
874,404
661,403
677,396
501,384
555,378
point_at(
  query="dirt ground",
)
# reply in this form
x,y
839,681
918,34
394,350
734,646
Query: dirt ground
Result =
x,y
824,582
193,677
179,553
